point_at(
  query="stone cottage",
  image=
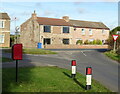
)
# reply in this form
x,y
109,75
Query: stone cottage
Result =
x,y
60,33
4,30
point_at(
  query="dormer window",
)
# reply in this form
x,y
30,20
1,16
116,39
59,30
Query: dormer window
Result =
x,y
2,24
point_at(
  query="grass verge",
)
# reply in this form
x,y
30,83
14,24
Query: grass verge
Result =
x,y
46,79
33,51
113,55
4,59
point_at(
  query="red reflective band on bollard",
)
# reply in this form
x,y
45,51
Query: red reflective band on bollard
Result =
x,y
73,62
89,71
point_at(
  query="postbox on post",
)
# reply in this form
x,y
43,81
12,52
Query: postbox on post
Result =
x,y
17,52
17,55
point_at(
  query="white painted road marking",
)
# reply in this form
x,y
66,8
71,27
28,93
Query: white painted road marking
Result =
x,y
83,53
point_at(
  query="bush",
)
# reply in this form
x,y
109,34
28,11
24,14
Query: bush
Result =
x,y
79,42
99,42
94,42
86,42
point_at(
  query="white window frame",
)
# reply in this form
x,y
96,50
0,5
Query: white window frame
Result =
x,y
91,40
2,39
2,24
90,32
83,31
67,27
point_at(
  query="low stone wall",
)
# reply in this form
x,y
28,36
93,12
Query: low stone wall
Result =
x,y
57,46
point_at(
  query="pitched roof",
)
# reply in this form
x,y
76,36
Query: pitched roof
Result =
x,y
4,16
52,21
88,24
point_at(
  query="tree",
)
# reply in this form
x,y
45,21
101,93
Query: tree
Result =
x,y
111,41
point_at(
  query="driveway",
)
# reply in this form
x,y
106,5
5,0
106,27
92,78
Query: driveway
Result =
x,y
105,70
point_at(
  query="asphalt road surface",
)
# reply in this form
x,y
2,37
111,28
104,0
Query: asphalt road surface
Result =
x,y
105,70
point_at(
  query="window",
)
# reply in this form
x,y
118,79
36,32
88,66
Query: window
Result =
x,y
65,29
83,31
2,24
47,41
78,39
2,38
65,41
103,31
90,32
47,29
91,40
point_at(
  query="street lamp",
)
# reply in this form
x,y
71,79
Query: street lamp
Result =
x,y
16,33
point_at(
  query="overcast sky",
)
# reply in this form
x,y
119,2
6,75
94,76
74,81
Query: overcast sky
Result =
x,y
106,12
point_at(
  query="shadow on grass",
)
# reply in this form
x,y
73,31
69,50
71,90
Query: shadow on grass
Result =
x,y
75,80
67,75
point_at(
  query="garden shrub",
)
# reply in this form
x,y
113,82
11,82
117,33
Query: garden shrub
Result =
x,y
79,42
86,42
99,42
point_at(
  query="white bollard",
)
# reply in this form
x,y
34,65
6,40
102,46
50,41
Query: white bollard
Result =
x,y
73,64
88,77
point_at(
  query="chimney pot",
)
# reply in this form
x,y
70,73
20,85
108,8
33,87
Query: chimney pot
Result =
x,y
34,15
66,18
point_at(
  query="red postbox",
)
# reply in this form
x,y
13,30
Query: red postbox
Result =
x,y
17,52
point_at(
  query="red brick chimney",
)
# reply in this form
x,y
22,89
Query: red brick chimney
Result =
x,y
66,18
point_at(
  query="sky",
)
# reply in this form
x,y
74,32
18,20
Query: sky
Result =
x,y
106,12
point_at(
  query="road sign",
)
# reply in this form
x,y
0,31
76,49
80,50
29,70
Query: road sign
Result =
x,y
115,37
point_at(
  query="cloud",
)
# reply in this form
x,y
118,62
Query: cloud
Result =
x,y
47,13
25,13
76,3
109,0
38,4
81,10
113,24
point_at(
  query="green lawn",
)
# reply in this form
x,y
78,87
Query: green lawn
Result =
x,y
113,55
4,59
46,79
33,51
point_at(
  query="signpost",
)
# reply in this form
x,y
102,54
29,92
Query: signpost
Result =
x,y
17,55
115,37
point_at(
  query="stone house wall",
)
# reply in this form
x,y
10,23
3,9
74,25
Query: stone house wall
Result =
x,y
6,32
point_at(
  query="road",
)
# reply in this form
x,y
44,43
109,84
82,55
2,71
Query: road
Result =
x,y
105,70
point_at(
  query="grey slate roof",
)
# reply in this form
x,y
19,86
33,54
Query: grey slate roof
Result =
x,y
88,24
4,16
